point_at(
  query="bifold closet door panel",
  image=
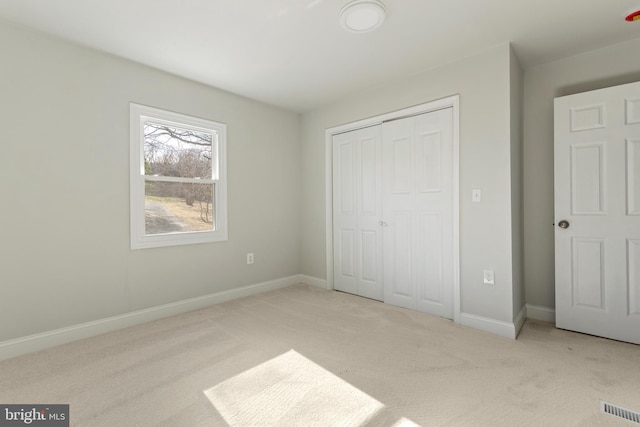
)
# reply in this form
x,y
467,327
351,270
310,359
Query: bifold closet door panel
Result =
x,y
417,184
357,204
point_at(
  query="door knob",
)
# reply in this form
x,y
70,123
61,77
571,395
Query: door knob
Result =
x,y
563,224
383,223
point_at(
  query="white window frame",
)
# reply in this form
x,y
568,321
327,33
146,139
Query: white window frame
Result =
x,y
139,114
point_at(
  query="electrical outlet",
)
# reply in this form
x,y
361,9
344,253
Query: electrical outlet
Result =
x,y
250,258
489,277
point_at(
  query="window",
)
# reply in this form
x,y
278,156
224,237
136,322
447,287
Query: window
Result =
x,y
178,179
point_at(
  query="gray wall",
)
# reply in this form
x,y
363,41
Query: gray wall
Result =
x,y
517,226
483,82
613,65
64,181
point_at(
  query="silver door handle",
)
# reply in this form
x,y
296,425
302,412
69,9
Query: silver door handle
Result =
x,y
383,223
563,224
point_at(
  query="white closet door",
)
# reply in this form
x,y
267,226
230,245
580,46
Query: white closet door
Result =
x,y
597,212
357,237
417,188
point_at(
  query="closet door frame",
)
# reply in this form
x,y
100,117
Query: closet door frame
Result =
x,y
449,102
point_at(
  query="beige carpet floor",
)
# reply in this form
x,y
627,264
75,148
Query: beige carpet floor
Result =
x,y
306,356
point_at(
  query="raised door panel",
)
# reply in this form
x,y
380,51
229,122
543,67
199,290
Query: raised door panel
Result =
x,y
369,171
399,285
632,111
633,176
401,172
587,117
588,279
429,162
429,279
346,254
633,276
587,179
369,257
346,179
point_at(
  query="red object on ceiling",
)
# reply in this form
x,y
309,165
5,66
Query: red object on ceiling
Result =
x,y
634,16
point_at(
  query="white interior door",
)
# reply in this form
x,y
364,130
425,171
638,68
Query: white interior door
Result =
x,y
417,198
357,237
597,212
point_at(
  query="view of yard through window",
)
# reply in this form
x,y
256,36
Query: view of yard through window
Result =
x,y
179,165
171,214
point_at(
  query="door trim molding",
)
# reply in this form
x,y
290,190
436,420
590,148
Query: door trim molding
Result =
x,y
449,102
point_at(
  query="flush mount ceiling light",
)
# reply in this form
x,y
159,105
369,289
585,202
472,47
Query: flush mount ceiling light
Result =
x,y
361,16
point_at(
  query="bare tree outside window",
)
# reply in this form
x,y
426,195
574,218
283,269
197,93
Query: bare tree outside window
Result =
x,y
178,179
174,160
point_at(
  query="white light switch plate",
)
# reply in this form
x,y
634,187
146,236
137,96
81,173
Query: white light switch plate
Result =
x,y
489,277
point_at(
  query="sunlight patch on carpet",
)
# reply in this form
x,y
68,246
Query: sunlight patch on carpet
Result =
x,y
405,422
292,390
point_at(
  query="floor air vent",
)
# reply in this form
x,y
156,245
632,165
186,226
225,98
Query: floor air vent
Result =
x,y
617,411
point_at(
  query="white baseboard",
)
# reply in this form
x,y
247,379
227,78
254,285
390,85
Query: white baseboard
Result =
x,y
497,327
313,281
23,345
543,314
520,319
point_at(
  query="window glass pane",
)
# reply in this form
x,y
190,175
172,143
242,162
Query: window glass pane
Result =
x,y
174,207
173,151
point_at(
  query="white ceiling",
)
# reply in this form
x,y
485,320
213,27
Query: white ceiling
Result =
x,y
294,54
